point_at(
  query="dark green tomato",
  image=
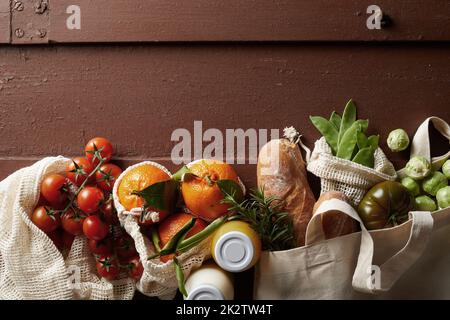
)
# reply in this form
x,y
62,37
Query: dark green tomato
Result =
x,y
385,205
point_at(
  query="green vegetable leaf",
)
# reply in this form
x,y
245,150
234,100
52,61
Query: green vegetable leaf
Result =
x,y
186,244
336,119
363,125
373,142
180,173
180,277
348,118
365,157
362,140
348,143
328,130
155,239
171,246
232,188
161,195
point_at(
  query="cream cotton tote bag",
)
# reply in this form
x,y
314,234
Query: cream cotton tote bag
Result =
x,y
409,261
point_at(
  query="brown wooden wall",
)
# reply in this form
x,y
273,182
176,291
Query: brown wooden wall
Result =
x,y
55,97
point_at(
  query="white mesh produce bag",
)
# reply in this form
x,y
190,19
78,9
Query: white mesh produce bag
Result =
x,y
351,178
158,278
31,267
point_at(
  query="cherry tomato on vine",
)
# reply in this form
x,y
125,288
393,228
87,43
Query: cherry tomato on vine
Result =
x,y
109,213
98,148
125,248
54,189
107,267
135,268
78,170
46,219
94,228
101,247
67,239
106,176
72,222
90,199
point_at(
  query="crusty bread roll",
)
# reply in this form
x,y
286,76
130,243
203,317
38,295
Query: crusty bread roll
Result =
x,y
281,173
335,223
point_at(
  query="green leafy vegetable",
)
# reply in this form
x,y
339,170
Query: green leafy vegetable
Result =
x,y
365,157
336,119
348,118
180,277
173,243
348,143
179,174
361,140
347,137
328,130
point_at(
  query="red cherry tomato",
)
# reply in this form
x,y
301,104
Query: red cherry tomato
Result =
x,y
78,170
94,228
106,176
72,222
125,248
46,219
98,147
90,199
56,237
101,247
135,268
109,213
67,239
53,189
107,267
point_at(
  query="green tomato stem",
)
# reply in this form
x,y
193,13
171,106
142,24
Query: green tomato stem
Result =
x,y
101,162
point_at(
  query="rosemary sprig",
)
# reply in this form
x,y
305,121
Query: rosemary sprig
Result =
x,y
267,217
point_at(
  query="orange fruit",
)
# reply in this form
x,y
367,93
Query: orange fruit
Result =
x,y
201,194
174,223
138,179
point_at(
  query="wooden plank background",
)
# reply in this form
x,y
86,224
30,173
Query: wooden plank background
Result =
x,y
54,98
233,20
5,31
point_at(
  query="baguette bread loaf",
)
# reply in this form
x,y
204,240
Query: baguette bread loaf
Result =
x,y
281,173
334,222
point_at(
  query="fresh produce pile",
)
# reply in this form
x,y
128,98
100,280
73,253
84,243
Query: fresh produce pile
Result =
x,y
207,200
427,184
79,203
347,137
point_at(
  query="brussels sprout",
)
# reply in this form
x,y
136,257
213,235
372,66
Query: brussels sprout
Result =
x,y
424,203
418,168
398,140
434,182
412,186
443,197
446,169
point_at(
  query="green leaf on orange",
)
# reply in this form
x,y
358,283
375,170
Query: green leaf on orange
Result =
x,y
161,195
231,188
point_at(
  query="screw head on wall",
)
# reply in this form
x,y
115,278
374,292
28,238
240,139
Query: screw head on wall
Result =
x,y
18,5
19,33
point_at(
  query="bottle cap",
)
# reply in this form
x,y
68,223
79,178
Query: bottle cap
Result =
x,y
205,292
234,251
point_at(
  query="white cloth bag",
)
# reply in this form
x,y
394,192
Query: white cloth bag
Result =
x,y
346,176
410,261
31,267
